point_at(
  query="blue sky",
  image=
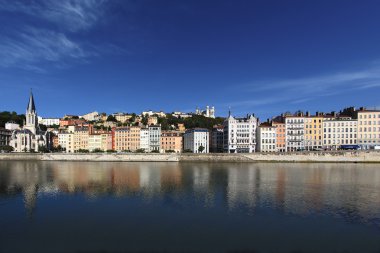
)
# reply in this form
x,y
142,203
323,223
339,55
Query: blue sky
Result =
x,y
262,57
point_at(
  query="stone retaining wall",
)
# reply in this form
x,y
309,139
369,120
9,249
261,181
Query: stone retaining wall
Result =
x,y
342,156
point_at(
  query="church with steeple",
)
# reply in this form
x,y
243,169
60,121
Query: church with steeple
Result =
x,y
30,138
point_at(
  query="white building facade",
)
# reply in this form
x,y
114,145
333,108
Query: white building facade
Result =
x,y
339,131
154,138
144,139
266,138
197,140
92,116
11,125
240,134
66,141
294,127
48,121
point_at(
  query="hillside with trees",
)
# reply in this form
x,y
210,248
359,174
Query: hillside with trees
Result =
x,y
6,116
192,122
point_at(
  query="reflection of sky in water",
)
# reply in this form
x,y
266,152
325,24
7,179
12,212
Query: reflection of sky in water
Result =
x,y
216,194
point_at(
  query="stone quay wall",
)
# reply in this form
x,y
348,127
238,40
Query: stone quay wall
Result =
x,y
334,157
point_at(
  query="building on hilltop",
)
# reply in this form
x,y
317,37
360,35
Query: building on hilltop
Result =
x,y
48,121
209,112
30,138
92,116
181,115
151,113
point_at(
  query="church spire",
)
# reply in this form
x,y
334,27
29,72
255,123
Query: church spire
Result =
x,y
31,106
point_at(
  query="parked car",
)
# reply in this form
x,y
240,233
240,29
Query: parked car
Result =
x,y
350,147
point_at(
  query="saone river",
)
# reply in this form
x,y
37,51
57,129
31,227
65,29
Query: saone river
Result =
x,y
192,207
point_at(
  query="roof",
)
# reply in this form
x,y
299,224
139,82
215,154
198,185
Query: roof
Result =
x,y
265,124
364,111
31,106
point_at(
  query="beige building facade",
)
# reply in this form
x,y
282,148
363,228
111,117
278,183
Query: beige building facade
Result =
x,y
368,128
127,138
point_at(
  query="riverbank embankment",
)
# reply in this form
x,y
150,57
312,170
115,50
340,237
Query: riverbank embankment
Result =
x,y
335,157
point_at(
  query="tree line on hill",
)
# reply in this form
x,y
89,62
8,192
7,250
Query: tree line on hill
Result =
x,y
6,116
196,121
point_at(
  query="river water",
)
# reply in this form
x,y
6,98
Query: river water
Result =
x,y
191,207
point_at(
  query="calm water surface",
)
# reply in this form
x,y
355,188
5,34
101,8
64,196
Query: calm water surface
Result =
x,y
192,207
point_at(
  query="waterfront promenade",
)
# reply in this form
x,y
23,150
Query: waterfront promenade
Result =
x,y
332,156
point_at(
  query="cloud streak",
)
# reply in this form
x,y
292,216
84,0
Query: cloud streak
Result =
x,y
355,80
301,90
74,15
36,48
30,47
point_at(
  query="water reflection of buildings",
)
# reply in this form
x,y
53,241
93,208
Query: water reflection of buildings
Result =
x,y
351,190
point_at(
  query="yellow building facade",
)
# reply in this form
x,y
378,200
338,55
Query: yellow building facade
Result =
x,y
313,129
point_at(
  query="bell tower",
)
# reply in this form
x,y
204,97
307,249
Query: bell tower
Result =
x,y
31,115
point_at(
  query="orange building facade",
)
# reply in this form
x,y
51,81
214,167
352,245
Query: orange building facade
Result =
x,y
171,140
280,136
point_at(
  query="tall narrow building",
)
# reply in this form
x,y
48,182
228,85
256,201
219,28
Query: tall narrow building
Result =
x,y
31,120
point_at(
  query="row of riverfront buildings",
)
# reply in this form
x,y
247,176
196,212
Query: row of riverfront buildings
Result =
x,y
285,133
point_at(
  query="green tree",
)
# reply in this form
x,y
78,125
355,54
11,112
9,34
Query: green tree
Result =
x,y
6,116
6,148
82,151
111,118
43,127
43,149
201,149
144,119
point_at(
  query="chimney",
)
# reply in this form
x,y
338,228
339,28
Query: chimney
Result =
x,y
307,114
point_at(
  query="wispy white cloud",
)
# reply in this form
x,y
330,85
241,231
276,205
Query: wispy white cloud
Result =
x,y
36,48
323,83
29,47
296,91
74,15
